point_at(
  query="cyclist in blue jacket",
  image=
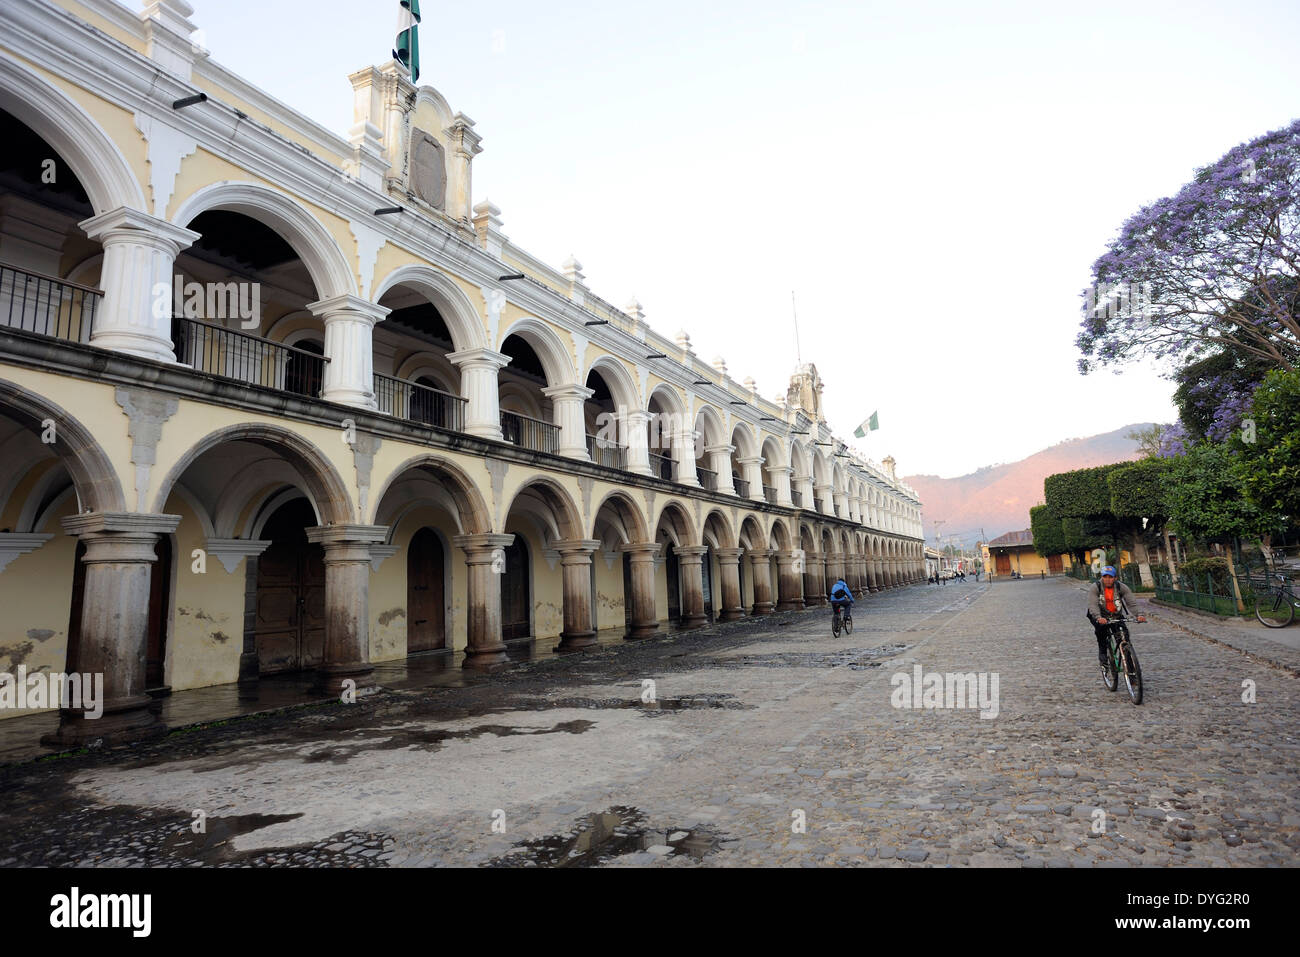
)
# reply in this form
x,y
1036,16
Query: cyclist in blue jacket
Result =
x,y
841,596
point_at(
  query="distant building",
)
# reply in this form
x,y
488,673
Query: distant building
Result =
x,y
1014,552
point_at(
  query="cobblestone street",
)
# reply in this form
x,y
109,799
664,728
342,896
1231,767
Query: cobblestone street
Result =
x,y
769,742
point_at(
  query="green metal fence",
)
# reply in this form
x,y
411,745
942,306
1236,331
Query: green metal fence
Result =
x,y
1200,592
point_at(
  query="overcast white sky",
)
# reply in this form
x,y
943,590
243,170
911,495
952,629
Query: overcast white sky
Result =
x,y
934,179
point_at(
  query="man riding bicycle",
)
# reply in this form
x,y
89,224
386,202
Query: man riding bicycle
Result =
x,y
841,596
1110,598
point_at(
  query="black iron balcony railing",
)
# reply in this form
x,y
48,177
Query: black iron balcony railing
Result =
x,y
606,453
47,306
742,487
528,433
707,477
224,352
662,466
414,402
796,497
769,493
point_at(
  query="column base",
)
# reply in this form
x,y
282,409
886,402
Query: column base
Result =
x,y
485,659
793,604
330,678
816,601
763,608
637,632
731,614
576,641
694,621
123,721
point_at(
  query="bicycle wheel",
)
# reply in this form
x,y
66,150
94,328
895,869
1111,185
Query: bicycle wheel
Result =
x,y
835,623
1109,677
1275,610
848,624
1132,670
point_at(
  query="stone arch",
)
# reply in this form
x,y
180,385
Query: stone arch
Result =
x,y
751,533
96,481
471,512
622,387
709,424
714,523
629,514
800,459
324,487
80,142
679,524
556,358
747,446
464,322
774,456
330,269
564,522
778,535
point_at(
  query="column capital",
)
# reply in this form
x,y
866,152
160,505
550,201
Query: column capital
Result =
x,y
571,391
638,416
759,554
125,224
729,555
723,449
751,460
691,554
328,535
479,549
578,549
348,306
479,358
137,522
641,551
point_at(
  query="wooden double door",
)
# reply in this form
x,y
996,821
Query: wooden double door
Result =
x,y
289,626
426,605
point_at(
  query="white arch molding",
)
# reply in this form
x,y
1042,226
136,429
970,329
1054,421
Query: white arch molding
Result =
x,y
464,322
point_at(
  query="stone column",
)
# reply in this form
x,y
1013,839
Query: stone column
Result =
x,y
691,561
720,462
752,469
826,495
645,620
349,346
568,400
841,500
881,582
781,482
637,440
761,568
114,628
789,582
870,565
803,484
478,385
817,564
140,253
575,562
347,602
684,458
729,571
485,562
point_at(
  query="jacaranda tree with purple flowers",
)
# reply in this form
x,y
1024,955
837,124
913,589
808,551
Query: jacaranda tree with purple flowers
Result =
x,y
1216,264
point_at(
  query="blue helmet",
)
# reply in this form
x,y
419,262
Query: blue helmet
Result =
x,y
1109,570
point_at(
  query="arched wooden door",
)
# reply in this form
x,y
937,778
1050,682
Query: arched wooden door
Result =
x,y
706,573
290,620
516,600
159,592
426,626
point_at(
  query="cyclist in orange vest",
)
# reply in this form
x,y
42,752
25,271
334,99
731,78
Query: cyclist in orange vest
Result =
x,y
1110,598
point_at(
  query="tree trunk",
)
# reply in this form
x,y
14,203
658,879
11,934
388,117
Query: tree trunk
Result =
x,y
1173,565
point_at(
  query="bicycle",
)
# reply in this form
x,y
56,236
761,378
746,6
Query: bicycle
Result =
x,y
1120,656
842,620
1276,607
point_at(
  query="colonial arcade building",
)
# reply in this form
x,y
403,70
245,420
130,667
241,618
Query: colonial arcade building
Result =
x,y
250,423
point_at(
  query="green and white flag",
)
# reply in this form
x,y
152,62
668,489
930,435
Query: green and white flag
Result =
x,y
870,425
407,51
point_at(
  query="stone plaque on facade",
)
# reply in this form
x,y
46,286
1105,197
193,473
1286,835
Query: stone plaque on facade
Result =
x,y
428,169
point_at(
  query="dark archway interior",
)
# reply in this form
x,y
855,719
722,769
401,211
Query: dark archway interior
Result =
x,y
23,169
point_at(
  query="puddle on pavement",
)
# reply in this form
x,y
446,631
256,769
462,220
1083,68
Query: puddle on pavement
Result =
x,y
214,843
431,739
659,706
604,836
857,659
